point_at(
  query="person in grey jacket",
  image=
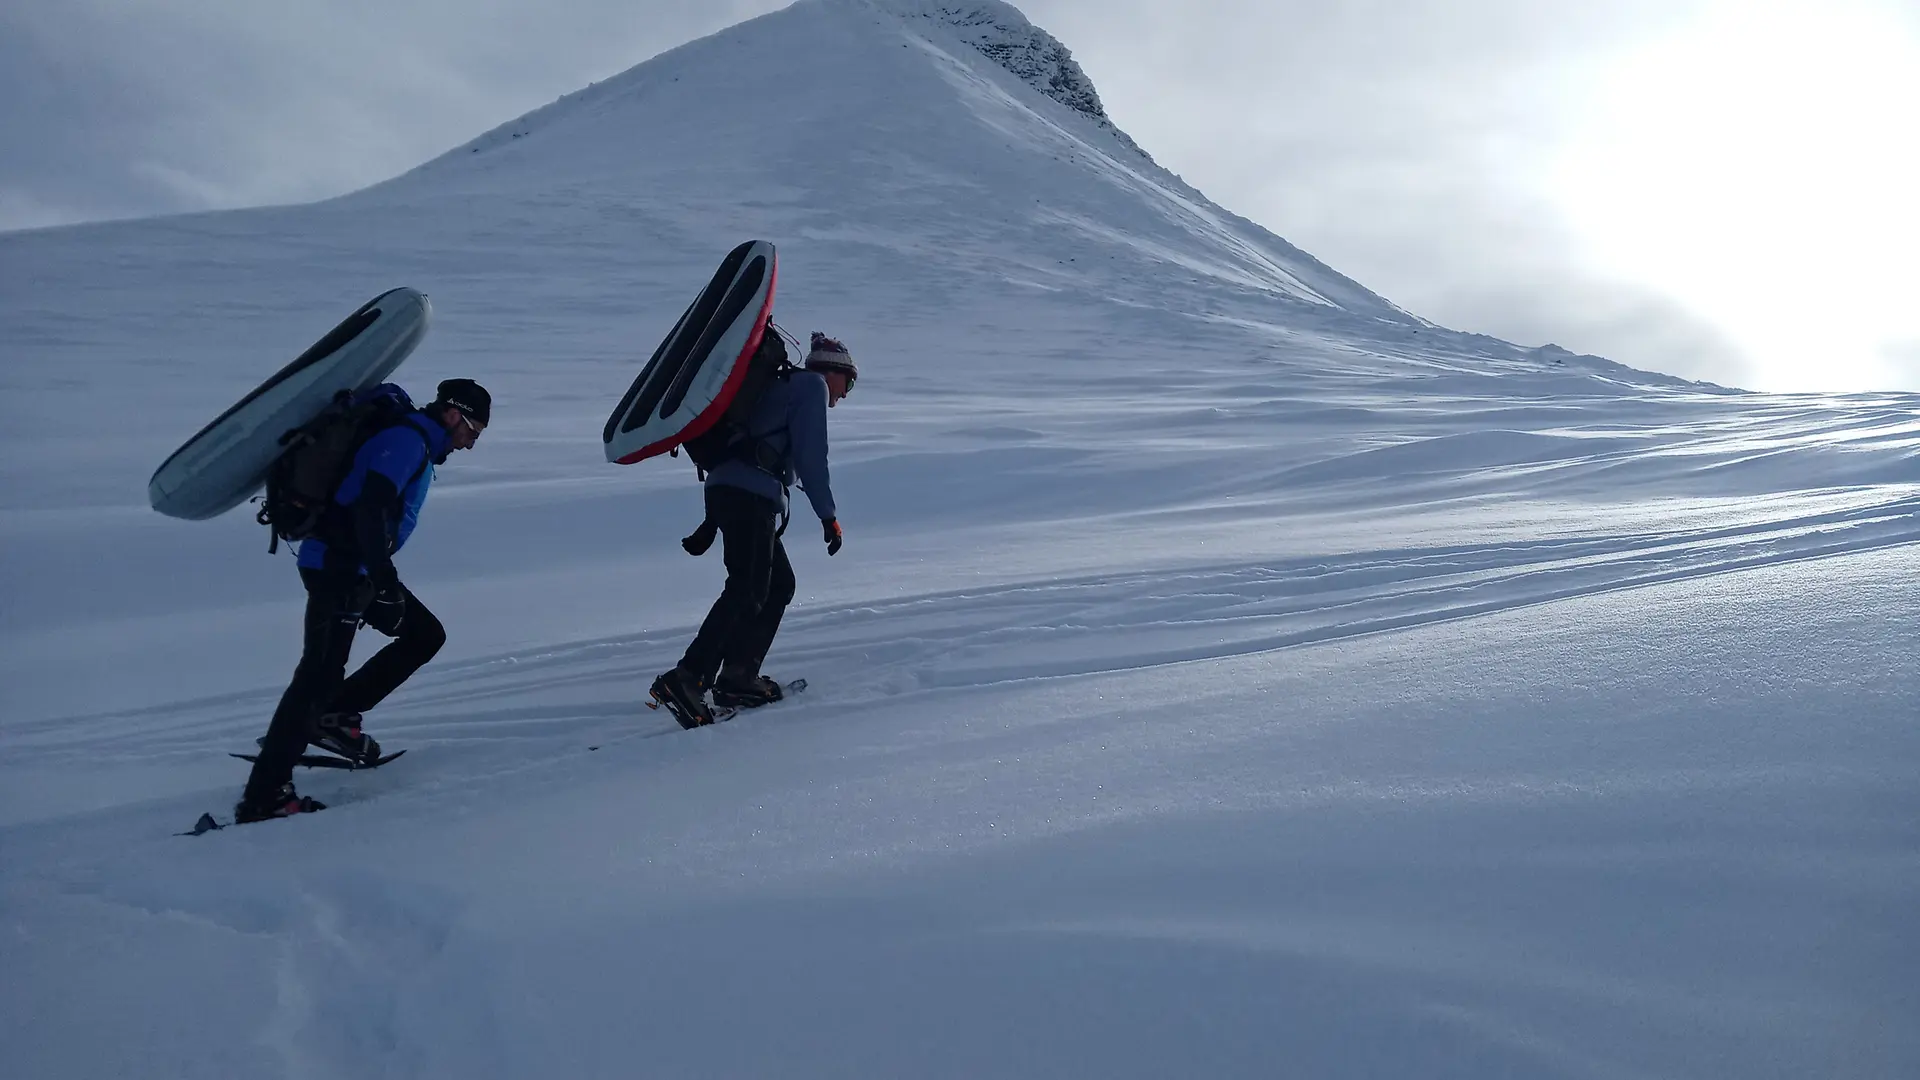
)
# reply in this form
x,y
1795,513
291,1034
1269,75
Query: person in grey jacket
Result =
x,y
745,498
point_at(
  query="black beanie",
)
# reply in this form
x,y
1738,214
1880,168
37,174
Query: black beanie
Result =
x,y
467,396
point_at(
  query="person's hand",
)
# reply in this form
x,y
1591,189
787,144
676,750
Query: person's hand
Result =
x,y
700,539
830,528
388,608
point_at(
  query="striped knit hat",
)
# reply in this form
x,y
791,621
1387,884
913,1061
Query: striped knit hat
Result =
x,y
827,354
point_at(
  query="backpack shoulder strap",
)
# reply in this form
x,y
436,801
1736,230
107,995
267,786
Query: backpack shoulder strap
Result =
x,y
426,446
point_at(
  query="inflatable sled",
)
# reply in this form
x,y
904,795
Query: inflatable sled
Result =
x,y
696,372
219,468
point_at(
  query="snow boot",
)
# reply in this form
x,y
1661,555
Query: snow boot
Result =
x,y
739,690
680,693
339,733
283,803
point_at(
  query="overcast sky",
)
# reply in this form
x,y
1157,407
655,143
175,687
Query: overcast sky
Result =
x,y
1721,189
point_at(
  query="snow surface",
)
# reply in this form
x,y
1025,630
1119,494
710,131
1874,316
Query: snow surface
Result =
x,y
1227,673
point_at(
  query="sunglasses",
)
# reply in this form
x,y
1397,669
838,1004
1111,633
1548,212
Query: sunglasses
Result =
x,y
468,421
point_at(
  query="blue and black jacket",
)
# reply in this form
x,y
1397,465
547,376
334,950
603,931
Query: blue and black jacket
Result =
x,y
378,503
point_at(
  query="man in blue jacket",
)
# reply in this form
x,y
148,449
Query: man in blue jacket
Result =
x,y
348,570
745,498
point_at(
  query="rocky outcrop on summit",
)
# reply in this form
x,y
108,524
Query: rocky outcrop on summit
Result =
x,y
1002,34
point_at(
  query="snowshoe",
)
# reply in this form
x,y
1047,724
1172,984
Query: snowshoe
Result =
x,y
339,733
283,803
679,692
328,761
748,693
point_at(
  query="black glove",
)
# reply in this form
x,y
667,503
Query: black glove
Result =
x,y
389,606
700,540
830,528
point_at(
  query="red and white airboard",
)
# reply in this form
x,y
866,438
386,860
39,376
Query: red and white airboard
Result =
x,y
695,373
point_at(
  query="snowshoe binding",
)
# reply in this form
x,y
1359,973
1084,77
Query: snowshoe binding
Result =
x,y
679,692
734,691
285,802
339,733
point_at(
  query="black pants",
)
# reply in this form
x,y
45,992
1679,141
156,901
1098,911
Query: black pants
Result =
x,y
739,629
337,602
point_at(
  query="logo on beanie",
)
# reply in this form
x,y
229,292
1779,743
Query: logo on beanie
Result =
x,y
468,396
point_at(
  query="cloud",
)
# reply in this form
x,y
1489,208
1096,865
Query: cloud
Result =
x,y
1408,144
26,210
138,109
1903,359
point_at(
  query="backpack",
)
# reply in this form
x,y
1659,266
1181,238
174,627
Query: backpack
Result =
x,y
729,438
319,453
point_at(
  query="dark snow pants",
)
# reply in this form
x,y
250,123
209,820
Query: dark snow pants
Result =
x,y
740,627
337,603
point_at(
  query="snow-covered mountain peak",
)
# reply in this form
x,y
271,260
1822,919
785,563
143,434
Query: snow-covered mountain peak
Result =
x,y
961,127
1004,35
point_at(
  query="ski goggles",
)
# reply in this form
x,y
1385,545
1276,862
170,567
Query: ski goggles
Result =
x,y
852,375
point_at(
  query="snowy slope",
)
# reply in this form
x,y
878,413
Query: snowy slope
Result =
x,y
1227,673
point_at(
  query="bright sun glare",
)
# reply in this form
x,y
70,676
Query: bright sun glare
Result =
x,y
1760,168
